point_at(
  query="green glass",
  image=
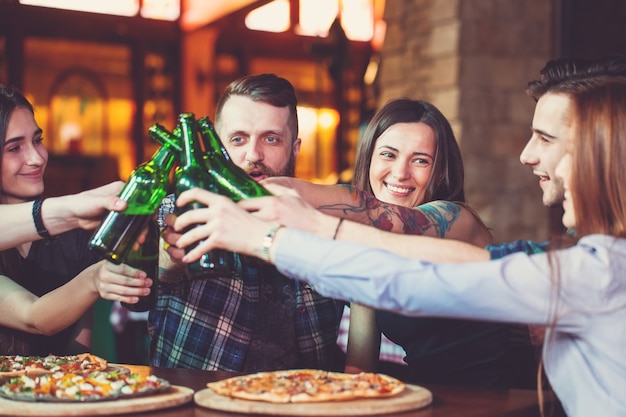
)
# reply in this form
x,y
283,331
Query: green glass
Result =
x,y
230,180
191,173
146,258
165,138
143,192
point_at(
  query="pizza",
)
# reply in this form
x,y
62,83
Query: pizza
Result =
x,y
80,387
18,365
307,385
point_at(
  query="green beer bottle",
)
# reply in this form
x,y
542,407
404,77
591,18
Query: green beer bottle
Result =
x,y
192,174
143,192
165,138
146,258
230,180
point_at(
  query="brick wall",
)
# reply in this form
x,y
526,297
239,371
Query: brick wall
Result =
x,y
472,59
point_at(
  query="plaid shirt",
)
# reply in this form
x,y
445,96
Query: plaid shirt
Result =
x,y
208,323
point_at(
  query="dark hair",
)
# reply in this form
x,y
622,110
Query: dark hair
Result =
x,y
446,180
11,341
561,70
10,99
266,88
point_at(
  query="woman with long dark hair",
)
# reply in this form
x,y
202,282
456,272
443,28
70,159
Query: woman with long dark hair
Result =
x,y
49,283
409,156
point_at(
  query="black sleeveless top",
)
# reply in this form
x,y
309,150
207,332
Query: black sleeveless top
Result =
x,y
50,264
462,352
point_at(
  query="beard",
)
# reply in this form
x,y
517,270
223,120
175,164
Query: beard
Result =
x,y
257,169
553,197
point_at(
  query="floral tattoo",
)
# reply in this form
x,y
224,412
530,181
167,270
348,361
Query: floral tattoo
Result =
x,y
434,218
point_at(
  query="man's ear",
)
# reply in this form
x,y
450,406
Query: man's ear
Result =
x,y
296,147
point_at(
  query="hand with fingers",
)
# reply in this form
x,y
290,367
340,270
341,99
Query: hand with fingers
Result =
x,y
121,283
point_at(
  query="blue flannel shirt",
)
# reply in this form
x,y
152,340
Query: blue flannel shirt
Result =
x,y
527,246
208,323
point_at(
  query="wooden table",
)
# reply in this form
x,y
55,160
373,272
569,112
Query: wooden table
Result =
x,y
448,401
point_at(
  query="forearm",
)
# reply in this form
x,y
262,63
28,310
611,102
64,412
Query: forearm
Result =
x,y
61,307
52,312
16,221
431,219
464,241
417,247
84,210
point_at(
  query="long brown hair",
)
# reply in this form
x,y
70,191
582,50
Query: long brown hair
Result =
x,y
599,155
11,341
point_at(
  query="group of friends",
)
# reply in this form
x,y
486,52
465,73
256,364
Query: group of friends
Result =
x,y
400,245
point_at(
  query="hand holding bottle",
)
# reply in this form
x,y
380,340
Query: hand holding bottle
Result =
x,y
143,192
145,257
224,225
119,282
84,210
170,236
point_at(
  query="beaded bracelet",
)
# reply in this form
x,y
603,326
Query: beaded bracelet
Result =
x,y
267,242
37,218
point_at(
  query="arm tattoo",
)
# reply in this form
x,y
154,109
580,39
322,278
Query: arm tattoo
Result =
x,y
433,219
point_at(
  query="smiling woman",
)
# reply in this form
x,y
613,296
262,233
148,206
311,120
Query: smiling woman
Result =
x,y
402,163
24,158
409,156
38,276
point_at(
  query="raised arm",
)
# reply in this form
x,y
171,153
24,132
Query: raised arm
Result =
x,y
437,219
59,214
230,226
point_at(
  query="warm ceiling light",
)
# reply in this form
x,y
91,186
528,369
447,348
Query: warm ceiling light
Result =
x,y
271,17
357,19
151,9
315,17
160,9
114,7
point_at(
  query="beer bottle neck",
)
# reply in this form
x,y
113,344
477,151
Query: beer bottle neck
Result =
x,y
192,154
212,142
163,137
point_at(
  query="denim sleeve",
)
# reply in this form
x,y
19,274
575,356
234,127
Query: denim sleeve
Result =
x,y
526,246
